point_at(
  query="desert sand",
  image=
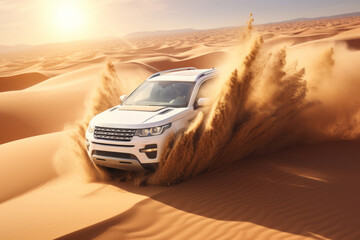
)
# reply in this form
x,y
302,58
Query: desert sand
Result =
x,y
278,156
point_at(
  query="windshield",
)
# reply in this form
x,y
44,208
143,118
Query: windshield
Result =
x,y
161,93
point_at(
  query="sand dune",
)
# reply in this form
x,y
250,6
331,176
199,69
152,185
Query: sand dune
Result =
x,y
29,168
202,61
68,204
283,161
20,81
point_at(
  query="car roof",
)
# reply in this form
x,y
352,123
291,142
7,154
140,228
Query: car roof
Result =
x,y
182,74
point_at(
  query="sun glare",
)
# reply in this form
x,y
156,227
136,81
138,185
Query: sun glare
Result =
x,y
69,17
67,20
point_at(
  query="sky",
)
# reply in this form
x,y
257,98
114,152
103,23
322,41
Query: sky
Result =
x,y
45,21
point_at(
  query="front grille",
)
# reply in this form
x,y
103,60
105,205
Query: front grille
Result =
x,y
114,154
116,134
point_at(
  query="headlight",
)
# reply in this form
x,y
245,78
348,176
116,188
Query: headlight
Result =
x,y
91,128
153,131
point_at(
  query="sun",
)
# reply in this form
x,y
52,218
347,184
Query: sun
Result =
x,y
67,20
69,17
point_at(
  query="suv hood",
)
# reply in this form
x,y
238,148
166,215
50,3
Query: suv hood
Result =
x,y
138,116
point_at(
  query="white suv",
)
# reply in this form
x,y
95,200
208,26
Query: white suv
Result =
x,y
131,136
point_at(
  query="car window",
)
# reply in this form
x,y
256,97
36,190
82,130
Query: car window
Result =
x,y
161,93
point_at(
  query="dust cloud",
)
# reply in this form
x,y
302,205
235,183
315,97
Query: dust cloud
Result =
x,y
72,156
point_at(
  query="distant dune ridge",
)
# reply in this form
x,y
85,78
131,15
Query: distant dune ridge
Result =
x,y
276,157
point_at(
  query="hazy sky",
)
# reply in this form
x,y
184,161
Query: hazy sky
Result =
x,y
44,21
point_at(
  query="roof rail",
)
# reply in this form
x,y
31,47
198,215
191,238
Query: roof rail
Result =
x,y
205,73
171,70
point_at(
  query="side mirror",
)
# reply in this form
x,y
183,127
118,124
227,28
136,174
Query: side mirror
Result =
x,y
123,98
203,102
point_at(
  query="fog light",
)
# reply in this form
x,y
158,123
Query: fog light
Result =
x,y
150,150
147,150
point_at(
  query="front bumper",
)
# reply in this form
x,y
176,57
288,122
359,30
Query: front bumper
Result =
x,y
119,163
126,155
